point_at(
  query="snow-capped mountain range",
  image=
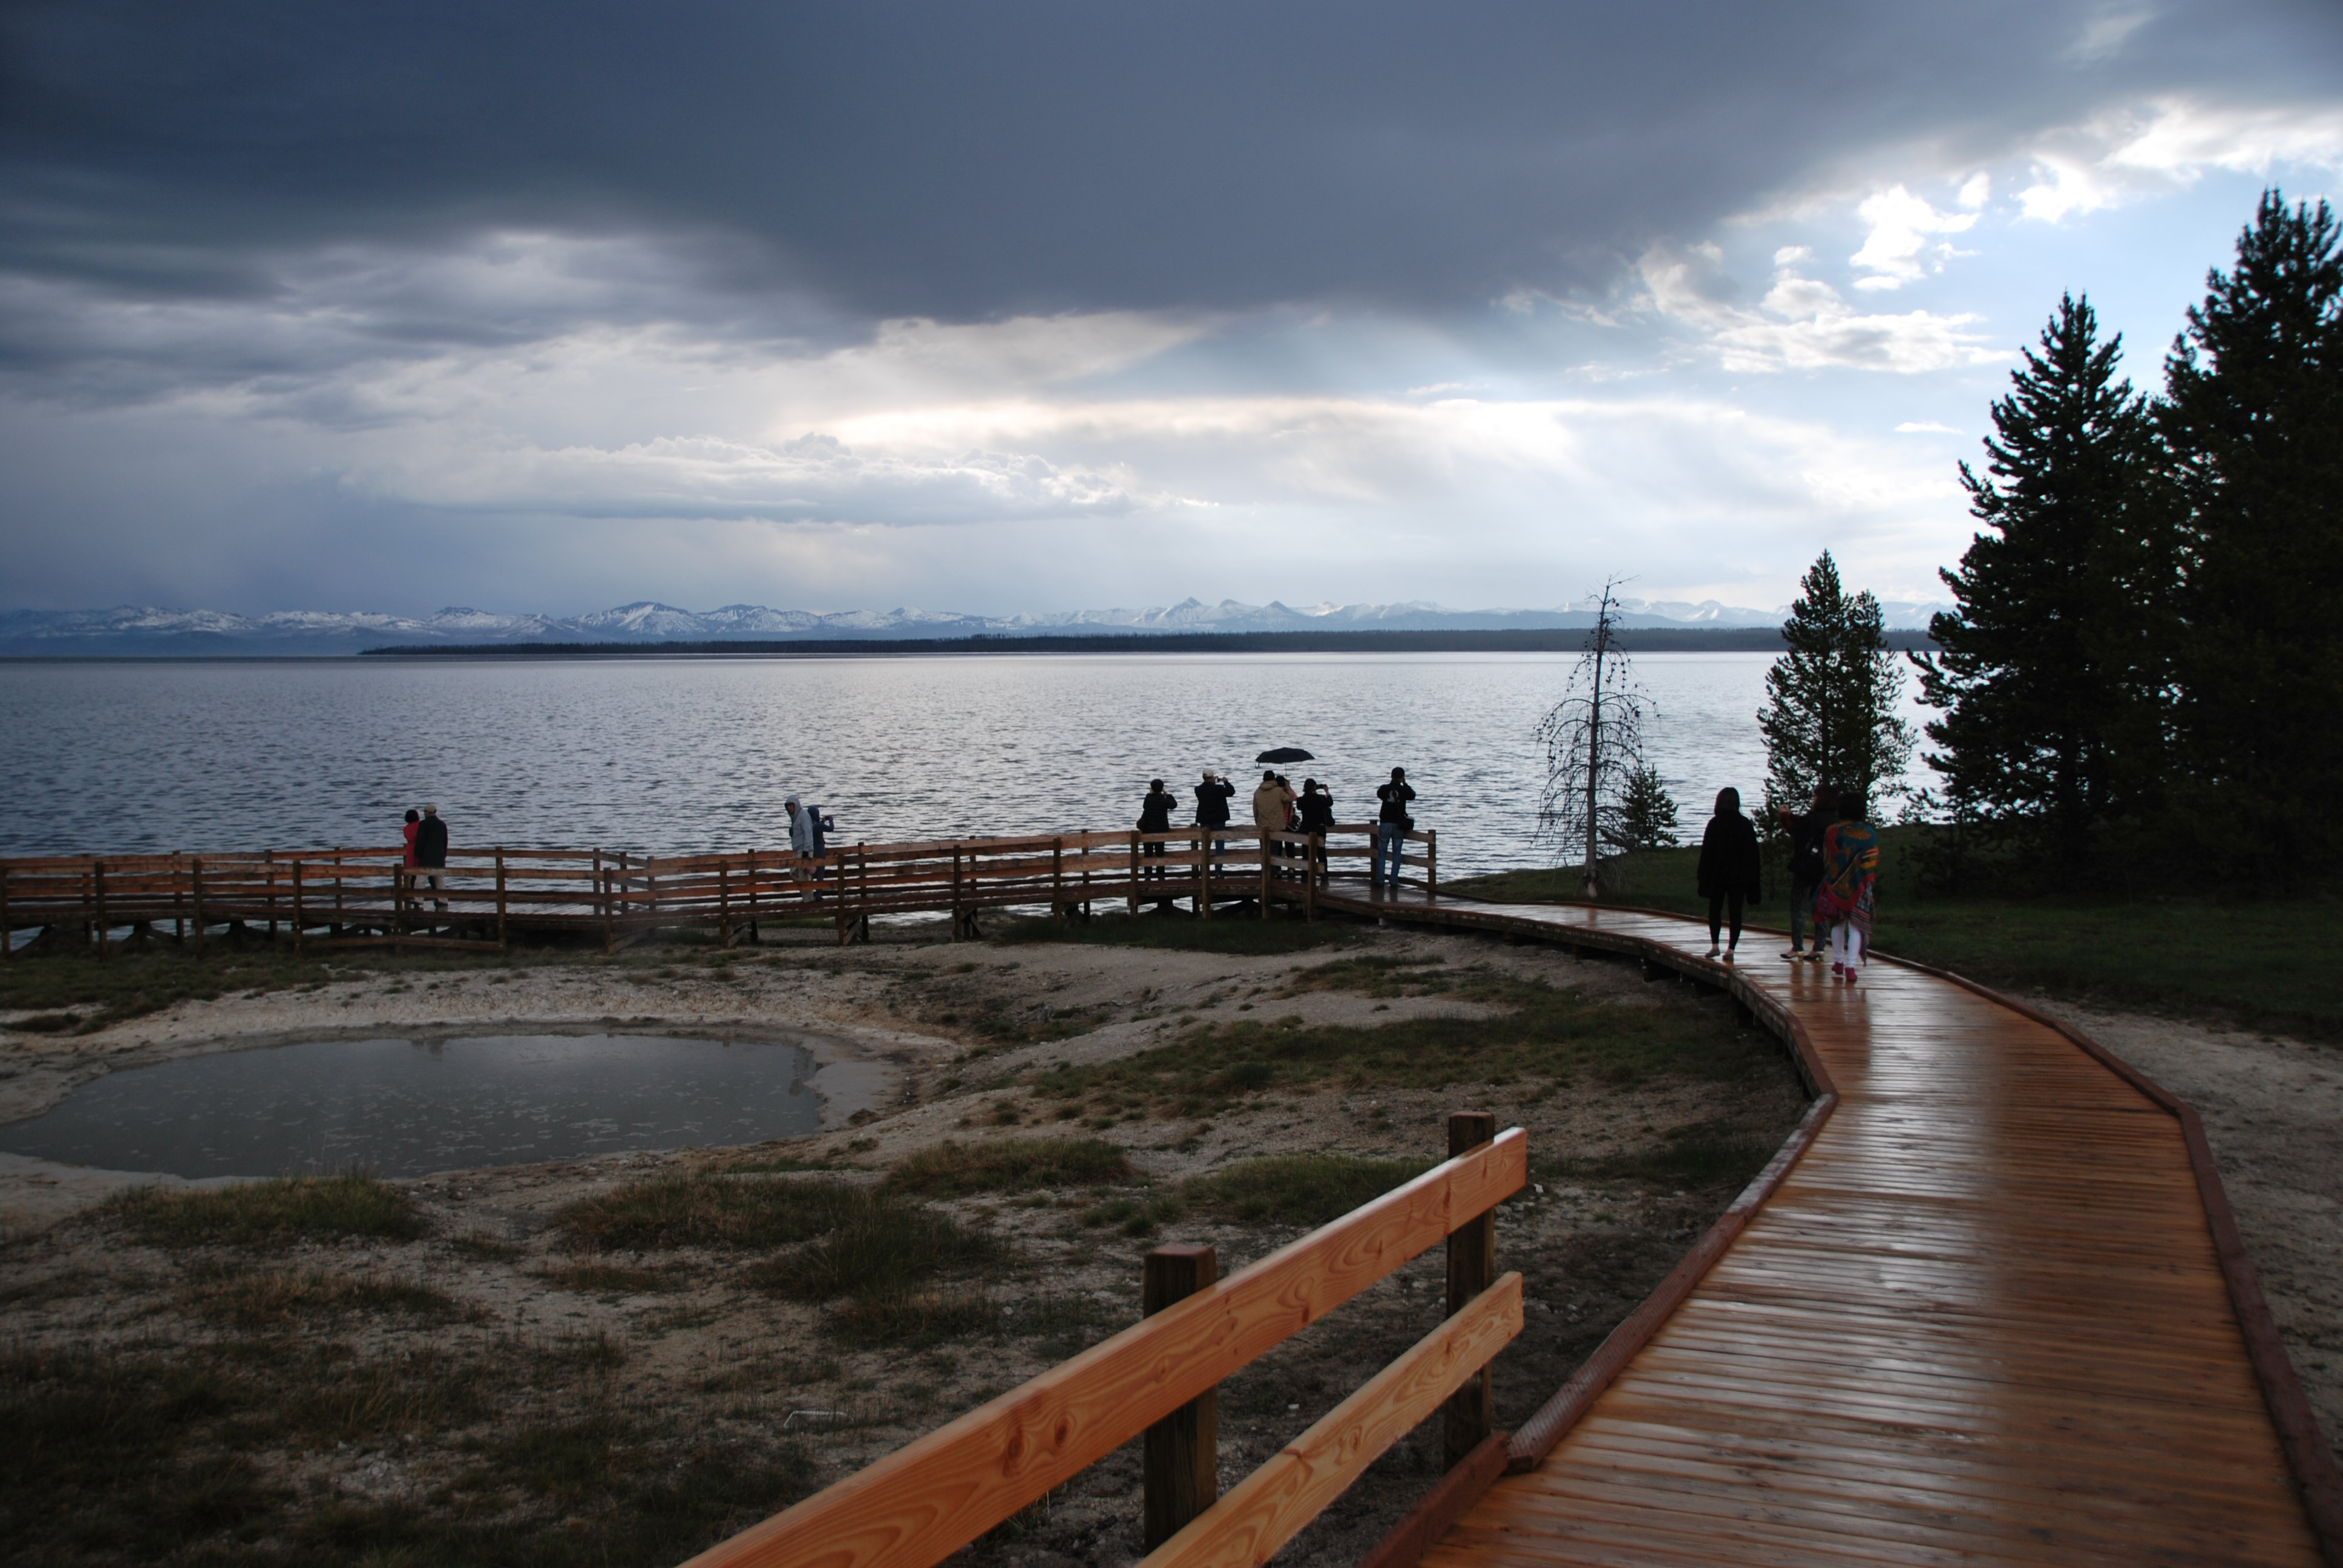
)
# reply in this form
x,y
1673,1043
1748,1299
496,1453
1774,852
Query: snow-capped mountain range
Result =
x,y
129,629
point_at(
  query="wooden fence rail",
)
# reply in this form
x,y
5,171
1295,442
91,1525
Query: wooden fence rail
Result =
x,y
480,897
926,1501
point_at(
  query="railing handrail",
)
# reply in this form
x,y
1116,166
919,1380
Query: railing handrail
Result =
x,y
929,1499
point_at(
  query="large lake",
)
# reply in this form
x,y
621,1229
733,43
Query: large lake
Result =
x,y
668,756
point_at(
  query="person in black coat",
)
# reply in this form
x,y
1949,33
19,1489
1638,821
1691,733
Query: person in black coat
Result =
x,y
1155,816
1729,872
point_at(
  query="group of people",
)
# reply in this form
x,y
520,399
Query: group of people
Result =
x,y
1834,877
1277,807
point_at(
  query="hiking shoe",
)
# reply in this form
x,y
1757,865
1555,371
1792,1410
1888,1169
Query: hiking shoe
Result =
x,y
1728,955
1795,956
1713,950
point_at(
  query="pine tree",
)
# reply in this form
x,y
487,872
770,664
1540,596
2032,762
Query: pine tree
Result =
x,y
1646,818
2052,670
2254,417
1830,712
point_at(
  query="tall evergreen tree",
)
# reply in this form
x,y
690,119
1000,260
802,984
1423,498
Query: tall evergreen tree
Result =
x,y
2254,417
1830,710
2052,669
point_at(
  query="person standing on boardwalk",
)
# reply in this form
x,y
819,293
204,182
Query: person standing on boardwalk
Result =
x,y
1212,810
1155,816
431,850
807,825
1849,885
1392,825
1806,829
1729,870
414,819
1271,802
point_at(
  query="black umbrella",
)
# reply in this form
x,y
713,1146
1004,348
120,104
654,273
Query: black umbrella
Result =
x,y
1285,754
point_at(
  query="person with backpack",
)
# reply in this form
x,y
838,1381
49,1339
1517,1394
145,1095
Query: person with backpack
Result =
x,y
1392,825
1729,870
1806,829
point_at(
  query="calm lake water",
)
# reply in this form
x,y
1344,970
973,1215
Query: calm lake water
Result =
x,y
407,1108
670,755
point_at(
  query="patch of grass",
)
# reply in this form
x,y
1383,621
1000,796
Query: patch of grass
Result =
x,y
1379,975
1132,1216
482,1248
274,1298
1307,1190
953,1170
883,1246
607,1280
704,1210
1539,1033
273,1213
1064,1326
2271,966
154,973
910,1319
1220,934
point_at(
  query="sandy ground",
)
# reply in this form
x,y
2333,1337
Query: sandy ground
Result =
x,y
2273,1113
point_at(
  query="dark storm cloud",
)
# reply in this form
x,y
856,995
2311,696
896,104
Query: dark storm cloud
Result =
x,y
968,161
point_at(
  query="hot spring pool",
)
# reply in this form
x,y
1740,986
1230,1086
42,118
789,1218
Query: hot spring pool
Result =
x,y
405,1108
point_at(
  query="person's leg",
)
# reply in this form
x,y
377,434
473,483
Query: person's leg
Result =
x,y
1801,905
1733,909
1394,841
1716,919
1854,950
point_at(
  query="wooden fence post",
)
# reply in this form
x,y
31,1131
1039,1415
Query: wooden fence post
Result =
x,y
1134,871
1265,846
1181,1454
97,890
724,906
1432,862
955,909
195,896
1058,881
862,878
7,927
1471,1411
504,943
1203,875
300,914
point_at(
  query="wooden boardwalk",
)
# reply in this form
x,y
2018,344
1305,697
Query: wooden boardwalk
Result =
x,y
1983,1318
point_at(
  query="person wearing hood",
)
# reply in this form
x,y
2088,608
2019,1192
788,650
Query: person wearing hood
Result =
x,y
807,828
1155,816
1729,874
1212,810
1270,797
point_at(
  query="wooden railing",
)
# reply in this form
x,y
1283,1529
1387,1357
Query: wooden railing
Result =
x,y
926,1501
345,896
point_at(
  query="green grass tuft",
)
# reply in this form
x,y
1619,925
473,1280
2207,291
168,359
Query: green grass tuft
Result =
x,y
273,1213
910,1319
1299,1189
953,1170
883,1246
703,1210
278,1298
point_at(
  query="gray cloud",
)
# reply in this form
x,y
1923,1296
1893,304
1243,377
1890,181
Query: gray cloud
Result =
x,y
966,162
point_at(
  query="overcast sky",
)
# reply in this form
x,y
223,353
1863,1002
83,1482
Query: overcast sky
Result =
x,y
1056,305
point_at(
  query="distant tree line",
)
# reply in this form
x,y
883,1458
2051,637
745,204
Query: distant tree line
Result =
x,y
2144,670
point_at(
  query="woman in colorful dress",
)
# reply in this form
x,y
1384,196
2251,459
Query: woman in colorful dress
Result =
x,y
1850,882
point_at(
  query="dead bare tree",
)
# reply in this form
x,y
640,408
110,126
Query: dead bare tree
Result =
x,y
1593,746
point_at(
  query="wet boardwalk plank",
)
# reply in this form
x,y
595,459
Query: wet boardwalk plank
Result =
x,y
1982,1321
